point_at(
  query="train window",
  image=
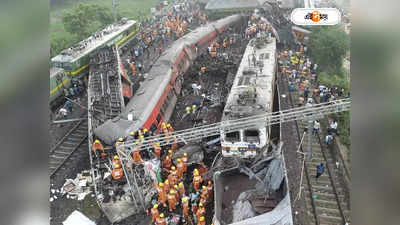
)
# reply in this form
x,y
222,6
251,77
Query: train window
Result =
x,y
232,136
159,118
153,127
251,136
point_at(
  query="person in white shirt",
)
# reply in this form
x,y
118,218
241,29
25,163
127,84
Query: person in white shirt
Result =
x,y
333,127
316,127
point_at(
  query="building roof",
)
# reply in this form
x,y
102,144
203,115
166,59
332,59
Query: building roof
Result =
x,y
233,4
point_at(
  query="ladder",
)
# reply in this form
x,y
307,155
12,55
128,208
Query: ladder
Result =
x,y
258,121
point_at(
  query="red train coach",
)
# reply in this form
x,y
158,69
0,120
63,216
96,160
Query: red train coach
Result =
x,y
155,100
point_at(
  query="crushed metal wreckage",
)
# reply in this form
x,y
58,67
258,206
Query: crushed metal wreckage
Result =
x,y
253,193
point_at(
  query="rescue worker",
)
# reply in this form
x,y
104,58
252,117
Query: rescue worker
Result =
x,y
116,161
131,136
154,213
167,162
166,187
176,192
185,208
171,200
161,220
201,212
157,149
180,168
146,133
210,190
162,195
173,176
174,145
194,107
96,147
169,127
202,221
136,154
204,195
197,179
195,208
181,189
188,109
117,172
184,161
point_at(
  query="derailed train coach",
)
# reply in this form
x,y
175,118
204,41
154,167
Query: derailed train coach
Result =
x,y
154,101
251,95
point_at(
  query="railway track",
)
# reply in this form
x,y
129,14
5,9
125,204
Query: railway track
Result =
x,y
72,141
325,197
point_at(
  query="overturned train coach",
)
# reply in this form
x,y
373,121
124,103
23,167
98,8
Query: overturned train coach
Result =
x,y
154,101
251,95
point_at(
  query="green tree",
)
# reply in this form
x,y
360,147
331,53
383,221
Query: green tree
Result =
x,y
328,48
86,18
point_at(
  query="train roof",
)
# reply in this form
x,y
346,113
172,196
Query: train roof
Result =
x,y
55,70
233,4
252,90
80,49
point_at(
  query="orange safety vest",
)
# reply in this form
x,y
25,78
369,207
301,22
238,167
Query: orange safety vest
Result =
x,y
117,173
136,157
180,168
196,182
185,210
116,162
97,146
161,221
184,161
154,214
200,212
167,162
171,201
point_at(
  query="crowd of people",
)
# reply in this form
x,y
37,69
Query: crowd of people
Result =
x,y
178,190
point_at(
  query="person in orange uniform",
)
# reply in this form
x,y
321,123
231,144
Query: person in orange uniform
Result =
x,y
167,162
210,190
157,149
181,189
154,213
116,161
136,155
184,161
185,208
171,200
201,212
169,127
117,173
180,168
204,194
173,176
96,147
161,220
162,195
197,179
166,187
202,221
176,192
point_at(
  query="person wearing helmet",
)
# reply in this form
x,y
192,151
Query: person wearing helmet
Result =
x,y
118,142
131,136
117,173
197,180
201,212
194,107
162,195
154,213
210,190
166,187
180,168
167,162
116,161
184,161
202,221
185,208
171,200
181,189
204,194
170,153
96,147
176,192
169,127
161,220
146,133
173,176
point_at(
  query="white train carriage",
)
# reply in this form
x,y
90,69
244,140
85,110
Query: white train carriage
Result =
x,y
252,94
